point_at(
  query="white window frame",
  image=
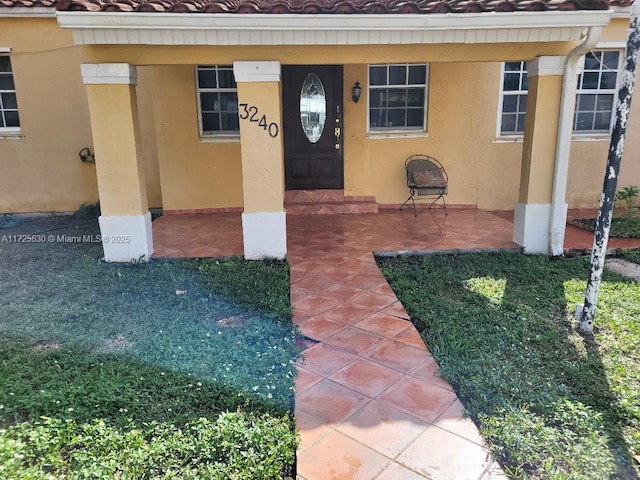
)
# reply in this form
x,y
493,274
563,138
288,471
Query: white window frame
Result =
x,y
499,133
222,135
404,131
4,52
614,92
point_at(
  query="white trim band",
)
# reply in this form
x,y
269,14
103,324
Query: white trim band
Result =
x,y
531,227
30,12
264,235
126,238
247,71
139,28
108,73
547,65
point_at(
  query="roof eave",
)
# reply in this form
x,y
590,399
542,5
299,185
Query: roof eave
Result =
x,y
32,12
335,29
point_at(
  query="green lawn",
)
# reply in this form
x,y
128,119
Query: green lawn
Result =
x,y
622,226
171,369
550,403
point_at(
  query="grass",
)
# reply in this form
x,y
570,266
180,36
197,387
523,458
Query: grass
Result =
x,y
551,403
621,227
113,370
631,255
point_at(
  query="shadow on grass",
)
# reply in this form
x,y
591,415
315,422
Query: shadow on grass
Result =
x,y
165,342
500,326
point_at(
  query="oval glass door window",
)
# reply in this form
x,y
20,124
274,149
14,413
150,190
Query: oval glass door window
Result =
x,y
313,107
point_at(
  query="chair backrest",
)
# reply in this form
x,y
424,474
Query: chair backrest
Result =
x,y
425,172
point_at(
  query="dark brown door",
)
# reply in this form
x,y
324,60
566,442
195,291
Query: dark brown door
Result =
x,y
312,110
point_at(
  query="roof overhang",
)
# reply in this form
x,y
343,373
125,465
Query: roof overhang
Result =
x,y
30,12
136,28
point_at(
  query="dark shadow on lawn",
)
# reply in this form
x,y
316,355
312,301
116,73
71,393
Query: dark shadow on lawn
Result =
x,y
58,298
524,353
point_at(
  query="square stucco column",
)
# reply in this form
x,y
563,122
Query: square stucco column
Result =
x,y
125,223
533,210
264,226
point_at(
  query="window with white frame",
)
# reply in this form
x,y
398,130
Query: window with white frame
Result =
x,y
513,105
9,120
595,96
217,100
597,86
397,97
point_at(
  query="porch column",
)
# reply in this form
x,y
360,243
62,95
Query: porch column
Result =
x,y
533,210
125,223
263,219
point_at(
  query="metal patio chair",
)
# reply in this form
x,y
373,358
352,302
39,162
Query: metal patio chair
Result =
x,y
426,177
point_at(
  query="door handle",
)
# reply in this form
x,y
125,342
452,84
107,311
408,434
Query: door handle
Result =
x,y
337,131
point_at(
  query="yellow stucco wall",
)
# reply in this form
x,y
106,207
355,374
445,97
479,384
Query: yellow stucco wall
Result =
x,y
40,170
185,172
194,173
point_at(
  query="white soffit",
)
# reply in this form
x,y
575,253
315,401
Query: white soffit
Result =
x,y
132,28
30,12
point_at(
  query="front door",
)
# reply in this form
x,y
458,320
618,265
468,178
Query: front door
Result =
x,y
312,121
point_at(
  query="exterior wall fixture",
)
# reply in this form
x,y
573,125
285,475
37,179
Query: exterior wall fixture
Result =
x,y
356,91
86,155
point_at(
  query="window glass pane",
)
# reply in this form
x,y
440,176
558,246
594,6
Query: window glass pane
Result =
x,y
209,101
511,66
586,102
417,74
592,61
210,122
520,124
584,121
226,79
415,97
611,59
5,64
608,80
397,97
511,81
230,121
415,117
604,103
525,81
522,103
510,103
602,121
6,82
12,119
378,97
590,80
508,123
377,118
378,75
8,101
206,78
229,101
395,117
398,75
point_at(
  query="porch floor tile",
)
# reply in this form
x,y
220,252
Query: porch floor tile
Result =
x,y
369,400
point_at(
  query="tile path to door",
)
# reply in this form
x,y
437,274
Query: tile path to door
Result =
x,y
369,401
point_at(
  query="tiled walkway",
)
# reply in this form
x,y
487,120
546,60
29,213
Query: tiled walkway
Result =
x,y
369,401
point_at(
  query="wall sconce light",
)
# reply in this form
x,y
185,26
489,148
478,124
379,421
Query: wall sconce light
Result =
x,y
356,91
86,155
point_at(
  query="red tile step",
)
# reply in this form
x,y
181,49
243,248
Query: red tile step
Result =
x,y
327,202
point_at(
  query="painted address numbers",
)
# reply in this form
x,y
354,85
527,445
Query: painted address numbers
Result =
x,y
251,112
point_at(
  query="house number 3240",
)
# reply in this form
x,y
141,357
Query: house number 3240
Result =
x,y
251,112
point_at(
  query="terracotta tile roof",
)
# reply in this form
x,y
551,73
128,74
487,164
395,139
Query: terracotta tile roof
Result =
x,y
28,3
318,6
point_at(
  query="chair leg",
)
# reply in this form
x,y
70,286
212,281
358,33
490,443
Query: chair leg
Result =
x,y
444,204
415,213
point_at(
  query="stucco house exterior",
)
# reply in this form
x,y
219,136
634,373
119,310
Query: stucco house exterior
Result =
x,y
247,106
